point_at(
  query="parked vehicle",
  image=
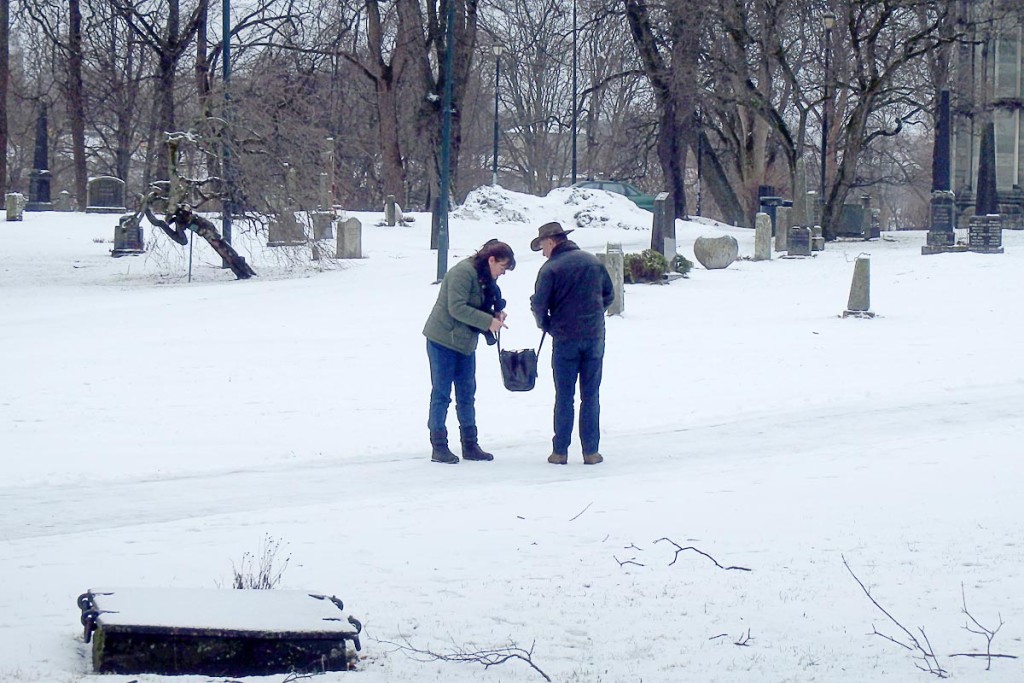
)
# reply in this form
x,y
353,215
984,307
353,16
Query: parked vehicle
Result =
x,y
644,201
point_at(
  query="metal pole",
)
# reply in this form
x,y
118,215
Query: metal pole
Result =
x,y
226,207
497,71
446,144
575,92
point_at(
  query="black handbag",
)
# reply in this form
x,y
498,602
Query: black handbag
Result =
x,y
519,367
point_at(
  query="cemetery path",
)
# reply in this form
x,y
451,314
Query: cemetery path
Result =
x,y
811,435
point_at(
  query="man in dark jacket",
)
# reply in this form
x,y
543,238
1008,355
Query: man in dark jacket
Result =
x,y
572,293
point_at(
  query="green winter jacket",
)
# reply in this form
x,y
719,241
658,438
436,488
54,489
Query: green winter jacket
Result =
x,y
456,320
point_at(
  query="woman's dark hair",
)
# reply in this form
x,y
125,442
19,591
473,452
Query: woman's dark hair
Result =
x,y
498,250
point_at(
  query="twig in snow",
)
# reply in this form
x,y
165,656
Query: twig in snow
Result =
x,y
924,650
980,630
582,511
680,549
744,639
487,657
631,560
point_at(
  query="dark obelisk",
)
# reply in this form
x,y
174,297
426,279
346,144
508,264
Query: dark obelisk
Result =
x,y
943,209
39,177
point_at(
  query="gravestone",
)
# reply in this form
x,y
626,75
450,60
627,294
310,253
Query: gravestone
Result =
x,y
770,205
859,303
800,214
941,229
783,222
391,210
285,231
350,239
663,228
39,178
325,192
323,225
65,202
14,203
798,241
128,238
851,221
105,194
715,253
817,238
762,237
985,234
615,263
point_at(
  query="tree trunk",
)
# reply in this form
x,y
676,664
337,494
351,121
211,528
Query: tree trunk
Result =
x,y
76,102
5,32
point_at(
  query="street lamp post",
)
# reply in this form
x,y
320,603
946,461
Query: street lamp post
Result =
x,y
829,22
497,72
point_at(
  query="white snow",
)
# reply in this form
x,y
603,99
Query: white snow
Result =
x,y
154,430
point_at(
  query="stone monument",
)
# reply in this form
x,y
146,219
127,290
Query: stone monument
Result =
x,y
715,253
105,194
762,237
859,303
798,241
39,178
350,239
615,262
663,229
941,235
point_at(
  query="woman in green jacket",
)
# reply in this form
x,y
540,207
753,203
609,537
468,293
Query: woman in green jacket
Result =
x,y
465,307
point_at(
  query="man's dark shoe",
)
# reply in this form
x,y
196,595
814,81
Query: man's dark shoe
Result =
x,y
471,448
439,449
558,458
592,459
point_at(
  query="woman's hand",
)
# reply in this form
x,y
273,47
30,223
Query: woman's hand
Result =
x,y
497,323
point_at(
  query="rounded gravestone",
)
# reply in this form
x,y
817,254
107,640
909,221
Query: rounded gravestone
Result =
x,y
716,252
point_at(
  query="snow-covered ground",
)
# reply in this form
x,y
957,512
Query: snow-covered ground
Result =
x,y
153,431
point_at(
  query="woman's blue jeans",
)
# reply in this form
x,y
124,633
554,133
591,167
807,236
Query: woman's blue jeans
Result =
x,y
448,367
572,358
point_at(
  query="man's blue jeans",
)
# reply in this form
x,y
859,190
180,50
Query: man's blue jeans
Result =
x,y
572,358
449,367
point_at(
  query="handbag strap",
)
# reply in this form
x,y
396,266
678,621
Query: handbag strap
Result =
x,y
497,337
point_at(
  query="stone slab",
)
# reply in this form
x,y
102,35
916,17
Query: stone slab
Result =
x,y
175,631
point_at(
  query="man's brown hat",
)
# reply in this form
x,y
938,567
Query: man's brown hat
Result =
x,y
552,229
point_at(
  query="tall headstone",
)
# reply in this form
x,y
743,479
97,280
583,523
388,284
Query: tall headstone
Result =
x,y
390,210
350,239
783,222
39,178
800,215
762,237
663,228
988,199
615,262
941,233
329,164
859,303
